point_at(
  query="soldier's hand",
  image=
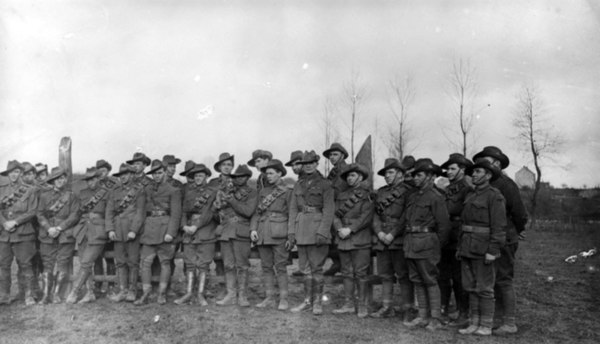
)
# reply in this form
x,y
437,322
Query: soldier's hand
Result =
x,y
489,258
131,235
344,232
457,256
193,229
53,232
322,240
10,225
291,241
168,238
389,238
254,236
112,235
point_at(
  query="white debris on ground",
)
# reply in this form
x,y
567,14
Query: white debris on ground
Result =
x,y
582,254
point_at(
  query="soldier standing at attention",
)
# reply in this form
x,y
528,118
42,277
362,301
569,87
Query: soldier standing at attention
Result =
x,y
199,238
427,229
260,158
41,175
90,234
163,214
269,231
310,220
449,266
57,214
294,163
224,166
140,161
171,162
106,182
516,215
388,226
483,234
18,203
125,212
352,223
189,180
235,210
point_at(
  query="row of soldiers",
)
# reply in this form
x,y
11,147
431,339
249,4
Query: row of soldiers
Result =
x,y
462,239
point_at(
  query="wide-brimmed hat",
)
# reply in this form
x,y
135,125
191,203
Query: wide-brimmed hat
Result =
x,y
55,173
408,162
188,167
456,158
199,168
223,157
309,157
276,165
259,153
482,163
294,157
39,168
391,163
11,166
242,171
355,167
27,167
103,163
90,173
426,165
156,165
336,147
125,168
493,152
139,156
170,160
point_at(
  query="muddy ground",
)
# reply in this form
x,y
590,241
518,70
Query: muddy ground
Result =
x,y
558,302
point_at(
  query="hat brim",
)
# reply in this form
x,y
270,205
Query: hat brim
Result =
x,y
292,162
192,172
435,170
495,172
504,160
393,165
52,178
216,165
145,160
5,173
464,162
276,168
328,151
152,170
365,174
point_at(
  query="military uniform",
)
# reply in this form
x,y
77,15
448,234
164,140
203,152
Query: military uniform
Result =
x,y
18,202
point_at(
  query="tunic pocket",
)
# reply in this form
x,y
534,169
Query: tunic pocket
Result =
x,y
478,245
279,227
422,242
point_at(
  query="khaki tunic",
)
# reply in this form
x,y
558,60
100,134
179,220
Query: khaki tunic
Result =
x,y
358,218
271,223
389,217
125,210
166,199
197,211
18,202
66,217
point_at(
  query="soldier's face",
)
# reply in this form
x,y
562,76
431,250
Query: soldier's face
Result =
x,y
103,171
28,177
334,157
239,181
42,176
481,176
92,182
226,167
60,181
14,175
455,172
171,169
422,178
393,176
354,178
158,175
296,168
189,178
273,176
310,168
199,178
139,166
260,163
125,178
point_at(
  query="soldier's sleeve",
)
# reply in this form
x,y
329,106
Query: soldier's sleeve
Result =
x,y
109,212
74,214
32,203
515,209
292,211
175,208
140,213
247,207
41,212
2,218
328,210
206,216
398,230
367,210
442,219
497,223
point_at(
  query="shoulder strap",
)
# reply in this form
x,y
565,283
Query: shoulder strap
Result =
x,y
270,198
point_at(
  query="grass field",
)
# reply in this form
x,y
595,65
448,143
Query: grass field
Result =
x,y
558,302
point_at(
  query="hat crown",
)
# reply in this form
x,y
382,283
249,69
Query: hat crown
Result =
x,y
157,164
390,161
199,168
296,155
13,164
310,156
103,163
170,159
27,167
189,164
224,156
242,170
408,162
261,153
125,168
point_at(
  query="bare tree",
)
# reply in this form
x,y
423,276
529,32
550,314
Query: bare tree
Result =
x,y
535,135
329,128
401,97
353,97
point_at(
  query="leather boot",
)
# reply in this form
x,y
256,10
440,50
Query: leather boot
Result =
x,y
123,285
407,299
243,289
147,288
318,286
201,287
348,306
189,291
363,289
422,318
433,297
386,310
473,317
47,280
486,316
282,281
21,282
60,279
230,282
89,295
29,291
162,293
133,281
74,294
269,301
308,296
5,287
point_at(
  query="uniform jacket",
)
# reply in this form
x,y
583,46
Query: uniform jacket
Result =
x,y
109,182
483,208
236,212
311,209
270,220
18,201
358,217
426,208
516,213
174,182
57,208
125,210
335,177
161,197
389,214
91,224
143,180
197,211
455,194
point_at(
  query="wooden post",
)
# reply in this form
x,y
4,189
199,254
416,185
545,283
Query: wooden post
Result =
x,y
64,161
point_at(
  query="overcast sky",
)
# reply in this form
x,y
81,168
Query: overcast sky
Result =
x,y
197,78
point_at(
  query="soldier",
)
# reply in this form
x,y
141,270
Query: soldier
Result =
x,y
409,164
57,214
171,162
516,220
163,214
108,183
42,175
427,229
189,165
260,158
90,233
352,223
483,234
140,161
269,231
199,238
235,209
294,163
337,156
125,211
224,166
388,226
449,266
18,203
310,220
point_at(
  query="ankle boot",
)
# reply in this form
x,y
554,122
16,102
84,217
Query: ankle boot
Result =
x,y
473,316
243,289
47,280
123,285
189,291
133,282
79,282
230,282
386,310
422,318
60,279
363,290
282,281
318,286
147,288
348,306
89,295
269,301
308,296
162,293
5,287
201,286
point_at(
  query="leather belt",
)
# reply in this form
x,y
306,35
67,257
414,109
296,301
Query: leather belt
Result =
x,y
310,209
475,229
156,213
418,229
92,216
